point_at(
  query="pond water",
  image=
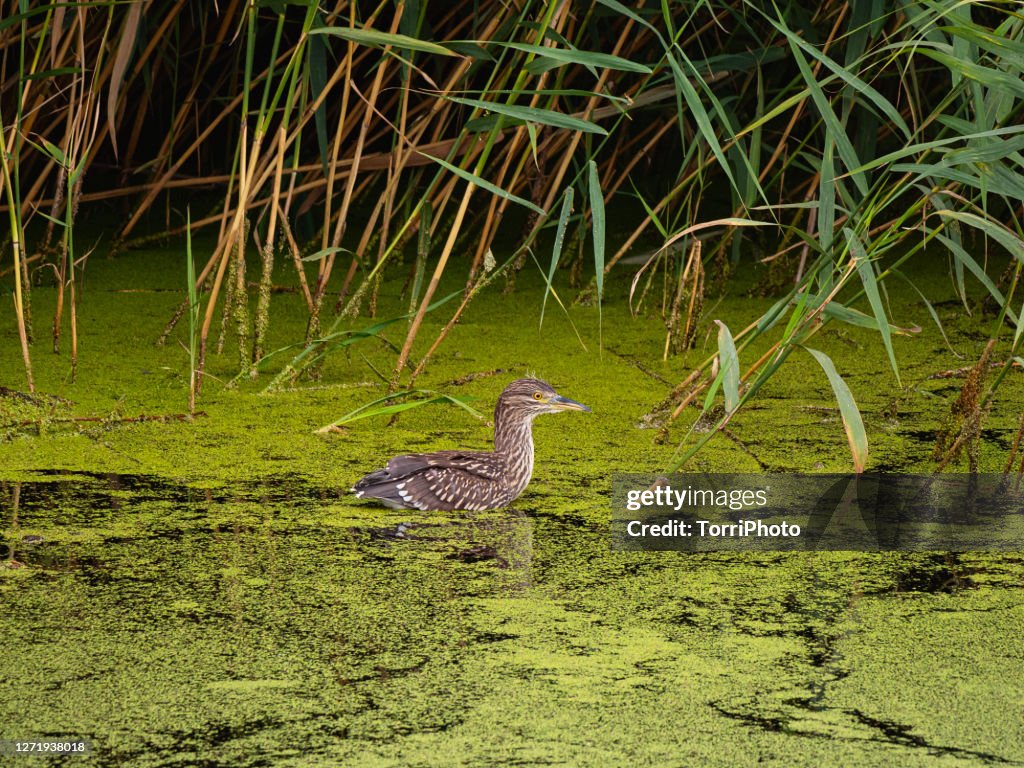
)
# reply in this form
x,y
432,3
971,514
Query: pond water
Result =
x,y
206,593
174,626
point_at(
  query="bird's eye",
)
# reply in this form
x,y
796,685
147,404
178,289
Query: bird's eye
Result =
x,y
538,396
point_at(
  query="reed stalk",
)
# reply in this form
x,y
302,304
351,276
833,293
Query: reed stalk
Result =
x,y
852,141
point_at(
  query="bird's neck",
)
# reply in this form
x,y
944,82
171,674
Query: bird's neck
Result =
x,y
513,435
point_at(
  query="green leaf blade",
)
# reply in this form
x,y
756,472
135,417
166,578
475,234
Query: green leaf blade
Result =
x,y
729,361
870,280
472,178
533,115
556,250
599,228
852,421
376,39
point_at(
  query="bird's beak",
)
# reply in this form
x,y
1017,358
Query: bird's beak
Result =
x,y
565,404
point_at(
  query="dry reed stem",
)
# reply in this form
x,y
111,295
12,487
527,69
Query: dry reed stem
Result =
x,y
327,264
453,233
336,153
435,279
965,418
296,258
16,248
225,257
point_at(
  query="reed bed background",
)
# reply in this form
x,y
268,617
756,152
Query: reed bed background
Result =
x,y
347,138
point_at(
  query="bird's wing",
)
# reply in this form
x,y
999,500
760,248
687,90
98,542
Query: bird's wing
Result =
x,y
404,466
443,480
447,488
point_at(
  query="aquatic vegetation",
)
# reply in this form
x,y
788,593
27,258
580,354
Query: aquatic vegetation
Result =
x,y
834,144
737,231
268,620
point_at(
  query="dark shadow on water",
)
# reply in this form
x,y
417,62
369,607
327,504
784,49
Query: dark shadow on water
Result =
x,y
123,511
940,573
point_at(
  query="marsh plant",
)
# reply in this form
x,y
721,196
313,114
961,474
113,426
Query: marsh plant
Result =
x,y
836,142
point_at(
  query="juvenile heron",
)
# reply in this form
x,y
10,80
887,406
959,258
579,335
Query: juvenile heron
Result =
x,y
476,480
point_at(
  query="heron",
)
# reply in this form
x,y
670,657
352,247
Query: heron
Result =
x,y
472,480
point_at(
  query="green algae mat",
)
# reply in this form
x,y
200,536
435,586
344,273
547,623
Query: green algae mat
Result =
x,y
205,592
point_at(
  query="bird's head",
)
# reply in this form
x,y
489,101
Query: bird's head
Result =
x,y
533,396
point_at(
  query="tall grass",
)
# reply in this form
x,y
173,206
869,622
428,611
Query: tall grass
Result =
x,y
857,136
